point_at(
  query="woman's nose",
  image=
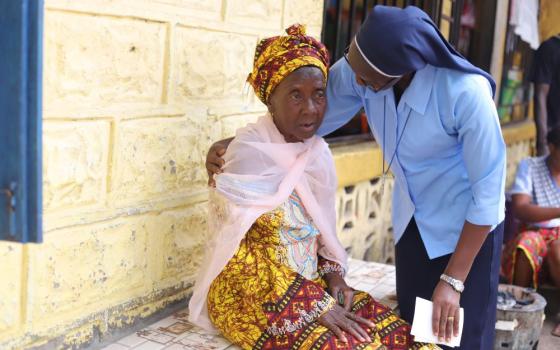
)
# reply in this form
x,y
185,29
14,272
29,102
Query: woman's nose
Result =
x,y
309,106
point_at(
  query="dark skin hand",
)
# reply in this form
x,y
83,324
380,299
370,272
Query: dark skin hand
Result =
x,y
539,102
214,160
336,285
339,319
526,211
445,298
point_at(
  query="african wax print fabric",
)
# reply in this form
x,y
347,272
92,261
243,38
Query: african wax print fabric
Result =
x,y
533,242
259,301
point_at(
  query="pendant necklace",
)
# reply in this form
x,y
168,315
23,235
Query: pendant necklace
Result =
x,y
384,171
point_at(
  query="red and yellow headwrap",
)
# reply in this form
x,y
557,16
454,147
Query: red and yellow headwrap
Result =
x,y
277,57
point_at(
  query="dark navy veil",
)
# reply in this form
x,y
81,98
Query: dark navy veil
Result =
x,y
399,41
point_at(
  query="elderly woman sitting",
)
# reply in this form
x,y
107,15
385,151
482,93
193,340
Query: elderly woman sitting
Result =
x,y
274,260
534,255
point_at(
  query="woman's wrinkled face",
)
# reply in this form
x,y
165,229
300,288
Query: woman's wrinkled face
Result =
x,y
298,104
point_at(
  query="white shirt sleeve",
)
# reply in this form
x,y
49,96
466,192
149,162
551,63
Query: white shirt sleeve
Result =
x,y
523,183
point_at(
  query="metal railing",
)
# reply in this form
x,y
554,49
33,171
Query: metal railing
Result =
x,y
342,19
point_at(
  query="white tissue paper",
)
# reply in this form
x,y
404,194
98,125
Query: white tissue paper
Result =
x,y
422,325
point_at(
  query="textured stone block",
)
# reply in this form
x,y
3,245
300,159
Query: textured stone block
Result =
x,y
101,60
87,268
182,235
255,13
210,65
163,156
191,12
75,163
308,12
10,292
196,5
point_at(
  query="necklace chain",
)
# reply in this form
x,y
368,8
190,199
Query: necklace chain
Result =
x,y
384,172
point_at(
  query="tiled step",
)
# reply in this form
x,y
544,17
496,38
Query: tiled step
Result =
x,y
176,333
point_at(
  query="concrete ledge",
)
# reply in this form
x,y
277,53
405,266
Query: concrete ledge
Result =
x,y
519,132
362,161
357,162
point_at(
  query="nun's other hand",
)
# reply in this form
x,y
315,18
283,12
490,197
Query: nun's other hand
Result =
x,y
214,160
340,321
445,316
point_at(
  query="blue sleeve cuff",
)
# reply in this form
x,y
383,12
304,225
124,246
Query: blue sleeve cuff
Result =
x,y
487,215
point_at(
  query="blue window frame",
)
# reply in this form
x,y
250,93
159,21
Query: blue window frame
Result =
x,y
21,27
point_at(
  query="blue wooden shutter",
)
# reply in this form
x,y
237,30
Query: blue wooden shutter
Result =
x,y
21,27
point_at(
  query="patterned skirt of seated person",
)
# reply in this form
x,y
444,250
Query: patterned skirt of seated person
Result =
x,y
270,294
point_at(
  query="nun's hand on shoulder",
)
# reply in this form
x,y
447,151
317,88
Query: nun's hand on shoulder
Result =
x,y
214,160
445,317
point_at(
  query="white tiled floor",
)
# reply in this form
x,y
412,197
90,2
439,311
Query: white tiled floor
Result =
x,y
176,333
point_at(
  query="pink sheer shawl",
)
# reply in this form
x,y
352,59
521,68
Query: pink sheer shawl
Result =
x,y
261,171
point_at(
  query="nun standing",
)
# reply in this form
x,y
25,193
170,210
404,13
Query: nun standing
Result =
x,y
433,114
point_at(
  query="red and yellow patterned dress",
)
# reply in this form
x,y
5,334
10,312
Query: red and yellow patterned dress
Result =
x,y
270,294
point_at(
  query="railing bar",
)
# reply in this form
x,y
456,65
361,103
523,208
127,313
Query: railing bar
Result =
x,y
351,22
336,48
366,9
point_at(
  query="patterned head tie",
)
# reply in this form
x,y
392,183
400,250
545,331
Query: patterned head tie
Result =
x,y
278,56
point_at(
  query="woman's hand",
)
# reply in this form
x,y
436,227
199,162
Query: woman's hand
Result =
x,y
445,316
214,160
338,321
339,290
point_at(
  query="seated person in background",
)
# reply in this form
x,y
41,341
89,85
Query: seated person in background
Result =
x,y
546,77
273,277
534,254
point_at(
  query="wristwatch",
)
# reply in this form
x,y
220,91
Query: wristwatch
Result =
x,y
457,285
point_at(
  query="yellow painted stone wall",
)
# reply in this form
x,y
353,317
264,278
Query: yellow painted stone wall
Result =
x,y
135,91
549,20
